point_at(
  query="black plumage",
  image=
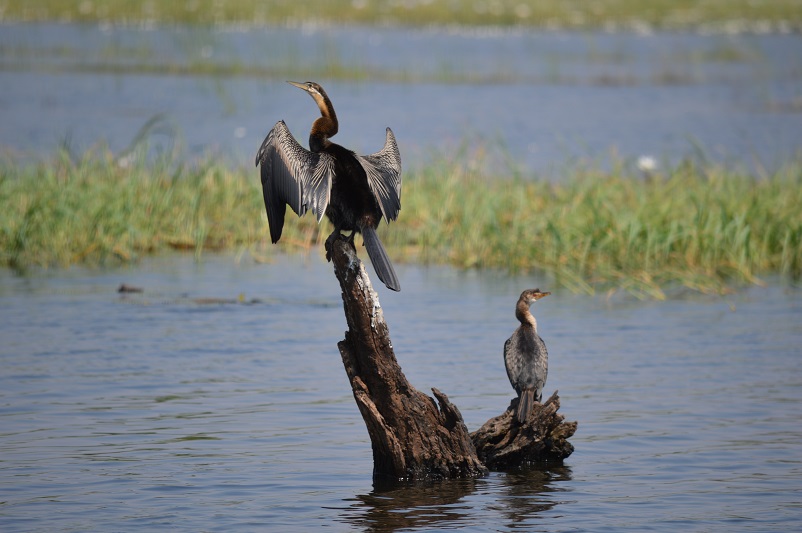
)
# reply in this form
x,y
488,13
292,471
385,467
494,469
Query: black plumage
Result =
x,y
354,191
525,356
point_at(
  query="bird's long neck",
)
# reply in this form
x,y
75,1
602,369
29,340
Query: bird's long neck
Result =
x,y
524,315
325,126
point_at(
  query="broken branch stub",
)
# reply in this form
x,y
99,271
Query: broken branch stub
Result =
x,y
502,443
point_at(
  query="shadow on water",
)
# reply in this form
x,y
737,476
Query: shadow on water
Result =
x,y
521,494
527,491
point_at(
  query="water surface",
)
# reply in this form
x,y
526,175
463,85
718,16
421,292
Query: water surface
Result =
x,y
216,400
543,98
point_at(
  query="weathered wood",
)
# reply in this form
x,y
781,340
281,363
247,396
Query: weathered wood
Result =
x,y
503,443
414,436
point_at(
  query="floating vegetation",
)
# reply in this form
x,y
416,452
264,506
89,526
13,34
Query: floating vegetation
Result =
x,y
697,226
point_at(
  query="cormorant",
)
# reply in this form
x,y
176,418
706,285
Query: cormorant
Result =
x,y
353,191
525,356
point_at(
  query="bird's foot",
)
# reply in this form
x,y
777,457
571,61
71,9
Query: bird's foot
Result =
x,y
330,242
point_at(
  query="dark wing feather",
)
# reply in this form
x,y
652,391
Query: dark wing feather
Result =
x,y
292,175
508,362
317,184
383,170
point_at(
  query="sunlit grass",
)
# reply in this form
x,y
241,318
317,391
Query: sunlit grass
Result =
x,y
699,227
721,15
96,211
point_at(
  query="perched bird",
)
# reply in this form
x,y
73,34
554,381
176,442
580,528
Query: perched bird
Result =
x,y
353,191
525,356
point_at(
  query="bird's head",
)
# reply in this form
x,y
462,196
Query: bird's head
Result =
x,y
314,89
318,95
530,296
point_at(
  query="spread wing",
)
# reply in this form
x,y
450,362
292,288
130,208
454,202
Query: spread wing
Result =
x,y
294,176
384,176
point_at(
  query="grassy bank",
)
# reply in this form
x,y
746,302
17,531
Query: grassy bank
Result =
x,y
720,15
703,228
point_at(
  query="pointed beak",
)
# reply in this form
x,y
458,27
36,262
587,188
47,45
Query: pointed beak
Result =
x,y
301,86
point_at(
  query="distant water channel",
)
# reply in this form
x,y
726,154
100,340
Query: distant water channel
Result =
x,y
216,400
544,99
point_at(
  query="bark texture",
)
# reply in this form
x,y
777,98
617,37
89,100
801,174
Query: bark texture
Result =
x,y
502,443
414,436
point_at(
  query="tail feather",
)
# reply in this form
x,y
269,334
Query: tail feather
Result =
x,y
525,402
381,261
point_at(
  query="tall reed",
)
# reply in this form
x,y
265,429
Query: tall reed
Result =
x,y
704,227
95,210
700,228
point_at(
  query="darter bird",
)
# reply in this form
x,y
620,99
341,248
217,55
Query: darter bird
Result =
x,y
353,191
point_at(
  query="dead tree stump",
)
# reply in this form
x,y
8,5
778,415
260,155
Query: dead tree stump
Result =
x,y
502,443
414,436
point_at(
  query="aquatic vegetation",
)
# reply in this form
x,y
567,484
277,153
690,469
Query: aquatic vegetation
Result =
x,y
103,210
697,226
730,16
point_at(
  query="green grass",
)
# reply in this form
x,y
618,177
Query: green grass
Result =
x,y
94,210
667,14
698,227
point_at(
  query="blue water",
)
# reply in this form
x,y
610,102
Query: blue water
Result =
x,y
161,410
532,100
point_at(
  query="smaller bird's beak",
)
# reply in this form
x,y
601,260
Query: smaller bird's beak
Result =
x,y
542,295
299,85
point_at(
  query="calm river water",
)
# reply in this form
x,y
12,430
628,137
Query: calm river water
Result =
x,y
216,401
544,98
